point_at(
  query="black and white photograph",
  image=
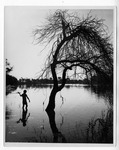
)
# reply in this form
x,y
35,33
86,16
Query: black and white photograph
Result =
x,y
59,75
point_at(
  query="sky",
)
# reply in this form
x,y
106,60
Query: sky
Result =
x,y
20,49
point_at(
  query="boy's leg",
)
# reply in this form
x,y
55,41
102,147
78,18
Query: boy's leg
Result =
x,y
23,106
26,106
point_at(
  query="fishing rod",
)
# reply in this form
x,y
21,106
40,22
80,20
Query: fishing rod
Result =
x,y
16,93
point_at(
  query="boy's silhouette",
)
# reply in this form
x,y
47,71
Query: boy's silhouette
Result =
x,y
24,98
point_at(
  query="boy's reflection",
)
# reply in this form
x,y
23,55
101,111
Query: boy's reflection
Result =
x,y
25,117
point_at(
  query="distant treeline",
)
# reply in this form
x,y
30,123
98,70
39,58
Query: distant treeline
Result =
x,y
50,81
10,80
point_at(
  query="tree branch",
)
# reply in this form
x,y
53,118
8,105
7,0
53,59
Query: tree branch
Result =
x,y
64,78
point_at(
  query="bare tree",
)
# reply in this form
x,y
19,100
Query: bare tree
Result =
x,y
77,43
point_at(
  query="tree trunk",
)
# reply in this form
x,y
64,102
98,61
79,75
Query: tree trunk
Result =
x,y
51,104
56,88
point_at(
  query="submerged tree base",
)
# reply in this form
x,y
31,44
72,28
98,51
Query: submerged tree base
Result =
x,y
58,137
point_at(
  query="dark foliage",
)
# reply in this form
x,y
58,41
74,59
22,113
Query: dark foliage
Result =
x,y
10,80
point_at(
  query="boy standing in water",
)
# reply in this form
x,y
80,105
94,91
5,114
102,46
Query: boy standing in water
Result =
x,y
24,98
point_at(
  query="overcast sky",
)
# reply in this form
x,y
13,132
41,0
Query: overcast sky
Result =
x,y
20,51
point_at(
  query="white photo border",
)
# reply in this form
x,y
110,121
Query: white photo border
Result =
x,y
62,3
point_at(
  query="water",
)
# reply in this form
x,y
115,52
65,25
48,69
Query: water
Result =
x,y
81,116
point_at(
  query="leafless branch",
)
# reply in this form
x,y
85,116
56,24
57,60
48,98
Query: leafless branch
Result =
x,y
77,42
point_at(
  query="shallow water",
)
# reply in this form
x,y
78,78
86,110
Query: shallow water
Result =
x,y
76,107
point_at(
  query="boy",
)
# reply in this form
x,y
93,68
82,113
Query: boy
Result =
x,y
24,97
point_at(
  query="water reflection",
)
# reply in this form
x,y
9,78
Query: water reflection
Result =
x,y
100,130
57,136
8,113
25,116
84,114
10,89
105,92
28,86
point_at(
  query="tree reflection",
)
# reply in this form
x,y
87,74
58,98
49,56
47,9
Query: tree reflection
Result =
x,y
105,92
27,86
10,89
58,137
101,129
8,113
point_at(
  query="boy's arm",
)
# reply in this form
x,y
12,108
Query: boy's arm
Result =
x,y
19,93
